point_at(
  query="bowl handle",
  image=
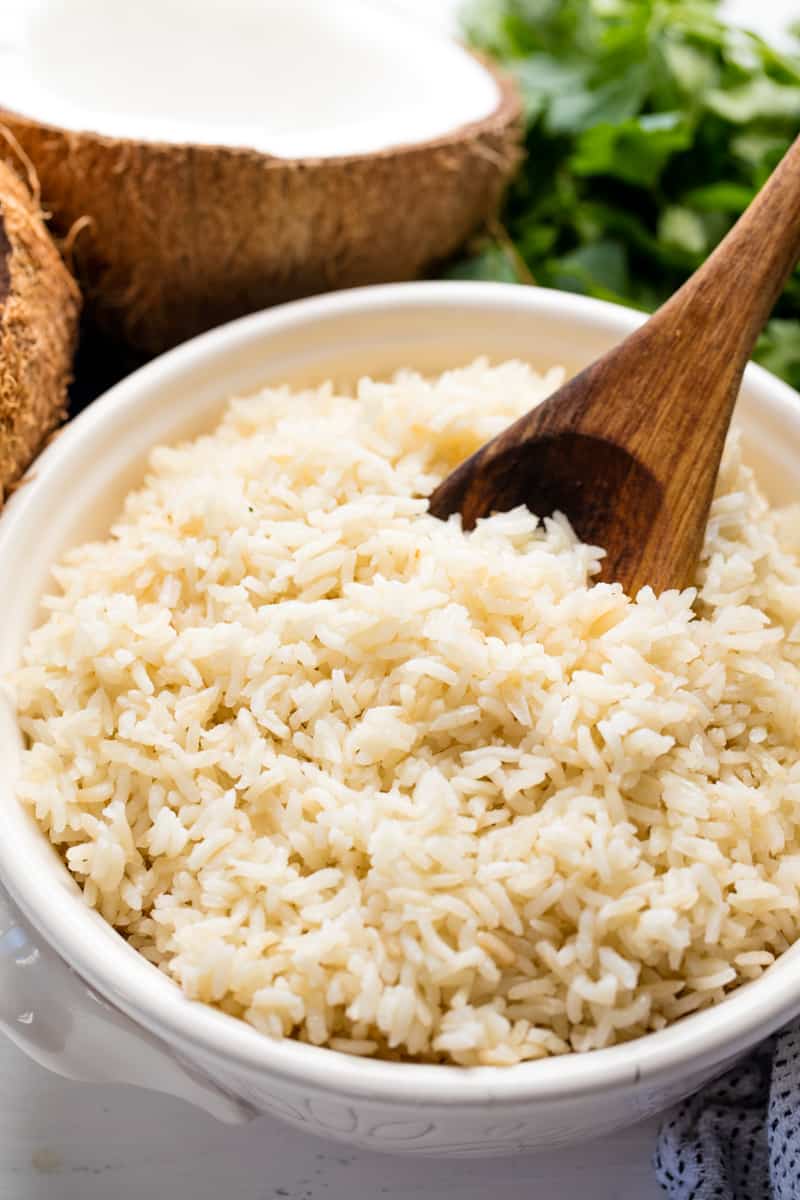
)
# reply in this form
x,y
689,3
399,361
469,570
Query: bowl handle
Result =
x,y
51,1014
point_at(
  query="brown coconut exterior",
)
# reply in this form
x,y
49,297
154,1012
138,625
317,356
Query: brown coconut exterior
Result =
x,y
183,238
39,309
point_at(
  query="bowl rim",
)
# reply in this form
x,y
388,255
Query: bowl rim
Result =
x,y
130,983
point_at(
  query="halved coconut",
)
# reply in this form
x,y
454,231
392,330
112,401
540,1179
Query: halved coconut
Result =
x,y
39,307
234,153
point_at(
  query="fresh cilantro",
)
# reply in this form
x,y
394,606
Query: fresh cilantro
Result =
x,y
650,125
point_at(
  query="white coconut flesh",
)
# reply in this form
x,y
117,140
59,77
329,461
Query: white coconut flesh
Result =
x,y
294,78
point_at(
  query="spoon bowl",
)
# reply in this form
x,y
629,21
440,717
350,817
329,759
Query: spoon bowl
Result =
x,y
629,450
565,472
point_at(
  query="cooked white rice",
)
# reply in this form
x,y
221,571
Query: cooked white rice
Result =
x,y
363,779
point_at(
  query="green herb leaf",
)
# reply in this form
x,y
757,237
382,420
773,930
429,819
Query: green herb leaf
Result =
x,y
683,229
650,125
779,350
492,262
542,79
725,197
758,98
600,269
582,108
636,150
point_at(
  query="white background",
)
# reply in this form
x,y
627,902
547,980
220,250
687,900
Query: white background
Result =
x,y
68,1141
74,1141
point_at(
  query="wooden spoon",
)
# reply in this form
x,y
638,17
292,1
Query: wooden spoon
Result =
x,y
630,448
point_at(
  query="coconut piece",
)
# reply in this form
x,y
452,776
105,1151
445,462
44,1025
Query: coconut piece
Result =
x,y
290,155
39,309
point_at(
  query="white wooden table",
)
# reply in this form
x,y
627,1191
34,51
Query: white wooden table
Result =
x,y
73,1141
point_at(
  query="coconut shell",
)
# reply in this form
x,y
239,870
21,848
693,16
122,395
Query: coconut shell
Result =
x,y
181,238
39,309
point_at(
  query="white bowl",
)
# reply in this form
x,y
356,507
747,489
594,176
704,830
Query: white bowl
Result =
x,y
113,1015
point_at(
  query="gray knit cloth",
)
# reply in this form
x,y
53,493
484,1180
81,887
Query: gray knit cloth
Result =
x,y
738,1139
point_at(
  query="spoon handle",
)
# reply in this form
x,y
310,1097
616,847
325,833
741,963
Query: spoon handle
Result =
x,y
735,290
677,378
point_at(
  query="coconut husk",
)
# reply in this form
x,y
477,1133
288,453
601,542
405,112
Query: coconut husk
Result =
x,y
174,239
39,310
